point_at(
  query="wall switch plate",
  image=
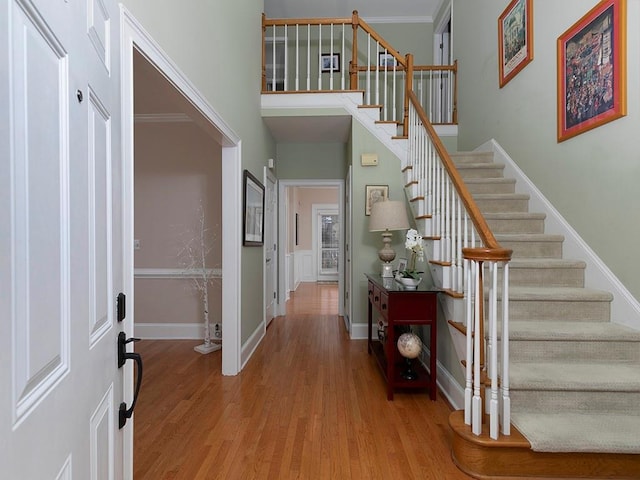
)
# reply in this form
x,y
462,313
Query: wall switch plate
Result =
x,y
136,244
369,159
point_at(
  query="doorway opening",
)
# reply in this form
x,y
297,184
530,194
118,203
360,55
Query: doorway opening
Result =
x,y
312,226
137,44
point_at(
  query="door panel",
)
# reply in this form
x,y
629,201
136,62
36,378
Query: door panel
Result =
x,y
61,258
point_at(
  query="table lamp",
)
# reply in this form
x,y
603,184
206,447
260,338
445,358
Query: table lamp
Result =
x,y
387,216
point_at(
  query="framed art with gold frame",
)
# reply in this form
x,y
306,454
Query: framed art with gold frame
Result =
x,y
592,70
515,39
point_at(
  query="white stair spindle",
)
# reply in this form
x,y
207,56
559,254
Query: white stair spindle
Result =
x,y
493,332
308,57
286,58
297,57
320,57
506,399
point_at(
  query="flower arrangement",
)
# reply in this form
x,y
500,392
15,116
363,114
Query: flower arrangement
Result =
x,y
414,244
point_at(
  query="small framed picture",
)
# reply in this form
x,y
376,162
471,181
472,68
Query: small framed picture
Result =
x,y
402,264
386,60
375,193
330,62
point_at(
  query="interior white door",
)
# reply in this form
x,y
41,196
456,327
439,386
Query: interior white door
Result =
x,y
270,245
61,252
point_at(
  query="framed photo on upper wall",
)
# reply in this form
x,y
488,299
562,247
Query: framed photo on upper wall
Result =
x,y
330,62
515,39
592,70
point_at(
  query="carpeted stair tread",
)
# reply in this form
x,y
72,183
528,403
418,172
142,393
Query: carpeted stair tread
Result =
x,y
513,215
618,377
575,432
546,263
529,237
559,294
578,331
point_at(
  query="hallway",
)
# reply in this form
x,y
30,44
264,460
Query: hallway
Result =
x,y
309,404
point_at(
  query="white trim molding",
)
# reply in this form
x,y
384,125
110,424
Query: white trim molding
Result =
x,y
175,273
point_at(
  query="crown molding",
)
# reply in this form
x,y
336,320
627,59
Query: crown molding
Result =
x,y
374,20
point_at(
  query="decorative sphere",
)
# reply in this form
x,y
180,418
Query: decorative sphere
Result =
x,y
409,345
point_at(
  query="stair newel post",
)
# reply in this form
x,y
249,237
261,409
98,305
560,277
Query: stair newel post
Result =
x,y
353,65
264,54
407,88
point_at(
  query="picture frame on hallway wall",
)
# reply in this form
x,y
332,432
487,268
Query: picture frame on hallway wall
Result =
x,y
330,62
515,39
373,194
253,211
592,70
386,59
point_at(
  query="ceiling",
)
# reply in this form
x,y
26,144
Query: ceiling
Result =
x,y
368,9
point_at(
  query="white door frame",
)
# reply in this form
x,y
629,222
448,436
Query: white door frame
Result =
x,y
283,225
271,224
134,36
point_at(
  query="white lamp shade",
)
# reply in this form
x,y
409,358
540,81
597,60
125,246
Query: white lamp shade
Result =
x,y
388,215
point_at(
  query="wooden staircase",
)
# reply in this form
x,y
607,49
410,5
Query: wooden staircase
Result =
x,y
562,346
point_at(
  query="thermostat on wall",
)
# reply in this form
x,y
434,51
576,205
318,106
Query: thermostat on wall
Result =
x,y
369,159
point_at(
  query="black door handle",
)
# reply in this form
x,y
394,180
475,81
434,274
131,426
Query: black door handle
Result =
x,y
125,413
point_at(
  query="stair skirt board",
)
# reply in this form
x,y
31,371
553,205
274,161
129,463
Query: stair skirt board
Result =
x,y
513,457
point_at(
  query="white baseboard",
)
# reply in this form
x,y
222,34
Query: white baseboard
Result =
x,y
169,331
251,344
359,331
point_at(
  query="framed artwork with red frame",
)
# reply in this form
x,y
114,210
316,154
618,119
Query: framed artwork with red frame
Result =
x,y
515,39
592,71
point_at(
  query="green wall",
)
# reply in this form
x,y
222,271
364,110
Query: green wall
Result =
x,y
326,161
592,178
416,38
217,45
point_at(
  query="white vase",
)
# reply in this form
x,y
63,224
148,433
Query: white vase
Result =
x,y
409,283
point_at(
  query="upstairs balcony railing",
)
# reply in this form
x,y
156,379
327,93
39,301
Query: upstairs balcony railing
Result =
x,y
334,54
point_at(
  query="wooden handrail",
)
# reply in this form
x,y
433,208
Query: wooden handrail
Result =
x,y
376,36
489,241
280,22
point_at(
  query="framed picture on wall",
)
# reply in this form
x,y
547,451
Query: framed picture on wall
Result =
x,y
515,39
373,194
253,211
386,60
330,62
592,70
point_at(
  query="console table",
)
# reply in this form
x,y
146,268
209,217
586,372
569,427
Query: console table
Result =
x,y
402,307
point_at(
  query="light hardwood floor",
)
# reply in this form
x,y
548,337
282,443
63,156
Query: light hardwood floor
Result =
x,y
310,404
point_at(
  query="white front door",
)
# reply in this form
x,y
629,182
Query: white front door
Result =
x,y
270,245
61,244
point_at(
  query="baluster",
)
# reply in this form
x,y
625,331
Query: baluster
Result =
x,y
273,59
377,74
469,309
506,399
493,340
319,57
297,57
368,73
286,58
393,81
331,57
478,340
308,57
343,59
384,108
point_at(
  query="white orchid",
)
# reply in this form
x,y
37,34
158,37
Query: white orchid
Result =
x,y
415,245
